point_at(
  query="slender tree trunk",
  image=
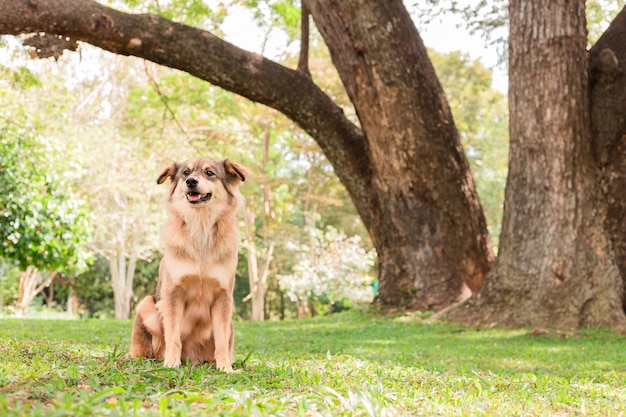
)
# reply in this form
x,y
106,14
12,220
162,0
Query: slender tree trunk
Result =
x,y
303,59
556,266
31,282
258,297
256,277
122,275
130,278
302,308
72,304
49,296
256,286
117,287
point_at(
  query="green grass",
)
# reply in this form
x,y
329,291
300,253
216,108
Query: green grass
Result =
x,y
349,364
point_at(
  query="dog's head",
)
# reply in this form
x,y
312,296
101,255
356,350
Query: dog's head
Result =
x,y
198,182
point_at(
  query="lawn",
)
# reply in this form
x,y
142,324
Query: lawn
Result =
x,y
348,364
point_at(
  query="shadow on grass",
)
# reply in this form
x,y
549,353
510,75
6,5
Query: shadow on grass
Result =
x,y
436,347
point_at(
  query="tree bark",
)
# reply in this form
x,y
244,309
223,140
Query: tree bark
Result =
x,y
256,279
556,265
122,276
426,221
405,171
72,304
608,121
30,284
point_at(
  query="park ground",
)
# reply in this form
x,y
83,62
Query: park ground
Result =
x,y
354,363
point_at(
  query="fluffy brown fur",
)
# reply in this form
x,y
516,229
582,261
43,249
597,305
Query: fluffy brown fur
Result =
x,y
190,315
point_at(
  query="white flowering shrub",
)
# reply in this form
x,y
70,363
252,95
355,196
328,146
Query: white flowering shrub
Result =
x,y
331,265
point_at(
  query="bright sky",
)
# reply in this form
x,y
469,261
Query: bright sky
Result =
x,y
442,36
447,37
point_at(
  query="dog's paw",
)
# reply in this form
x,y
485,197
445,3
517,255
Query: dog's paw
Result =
x,y
227,367
230,370
172,362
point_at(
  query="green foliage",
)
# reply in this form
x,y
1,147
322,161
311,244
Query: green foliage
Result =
x,y
94,290
283,14
190,12
146,275
42,222
348,364
600,13
288,11
242,289
20,77
9,278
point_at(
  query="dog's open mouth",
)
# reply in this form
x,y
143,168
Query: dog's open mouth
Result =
x,y
196,198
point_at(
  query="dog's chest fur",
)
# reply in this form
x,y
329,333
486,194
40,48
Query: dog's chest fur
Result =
x,y
202,247
199,265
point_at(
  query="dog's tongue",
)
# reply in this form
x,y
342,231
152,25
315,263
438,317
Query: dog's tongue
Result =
x,y
193,196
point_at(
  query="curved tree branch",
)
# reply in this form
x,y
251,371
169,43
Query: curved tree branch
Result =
x,y
207,57
608,122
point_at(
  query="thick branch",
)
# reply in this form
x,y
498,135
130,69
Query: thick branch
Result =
x,y
608,121
205,56
608,87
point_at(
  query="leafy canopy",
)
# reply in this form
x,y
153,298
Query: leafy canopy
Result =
x,y
42,224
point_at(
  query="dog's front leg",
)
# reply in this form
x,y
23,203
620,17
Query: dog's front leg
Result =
x,y
173,308
222,311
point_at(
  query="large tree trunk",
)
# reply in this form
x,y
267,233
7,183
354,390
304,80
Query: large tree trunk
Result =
x,y
556,265
425,219
608,120
406,171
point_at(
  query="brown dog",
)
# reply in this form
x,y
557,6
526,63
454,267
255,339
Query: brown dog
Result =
x,y
190,315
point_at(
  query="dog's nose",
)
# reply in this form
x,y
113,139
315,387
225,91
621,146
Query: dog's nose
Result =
x,y
191,182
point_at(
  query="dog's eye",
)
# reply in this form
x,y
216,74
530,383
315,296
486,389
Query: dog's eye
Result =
x,y
209,173
186,172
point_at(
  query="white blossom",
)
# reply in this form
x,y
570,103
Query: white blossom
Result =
x,y
332,265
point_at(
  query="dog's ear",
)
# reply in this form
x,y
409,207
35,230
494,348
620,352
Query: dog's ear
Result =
x,y
235,171
170,171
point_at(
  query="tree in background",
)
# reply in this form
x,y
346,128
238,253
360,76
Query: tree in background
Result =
x,y
116,182
394,175
329,265
257,274
195,118
403,167
196,134
43,223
